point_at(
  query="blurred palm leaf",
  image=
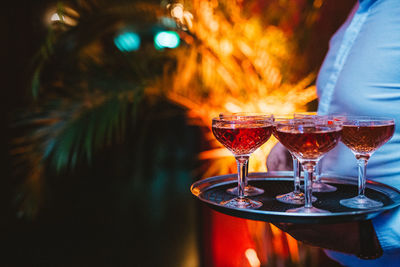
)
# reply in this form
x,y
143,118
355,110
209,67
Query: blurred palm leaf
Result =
x,y
85,88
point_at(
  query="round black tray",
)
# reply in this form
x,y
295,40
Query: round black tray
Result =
x,y
213,190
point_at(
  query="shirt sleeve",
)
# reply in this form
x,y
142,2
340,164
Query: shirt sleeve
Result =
x,y
387,228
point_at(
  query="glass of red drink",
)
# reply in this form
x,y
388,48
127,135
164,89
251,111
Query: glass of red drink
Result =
x,y
318,186
364,135
249,190
308,140
242,135
296,197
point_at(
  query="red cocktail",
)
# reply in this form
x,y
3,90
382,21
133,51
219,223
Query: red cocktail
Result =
x,y
365,139
308,140
249,190
242,140
364,135
242,135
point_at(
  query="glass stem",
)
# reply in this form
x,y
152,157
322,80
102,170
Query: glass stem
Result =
x,y
246,173
242,162
362,172
296,174
317,173
309,169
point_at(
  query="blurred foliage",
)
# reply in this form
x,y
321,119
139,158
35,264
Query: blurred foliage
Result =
x,y
85,90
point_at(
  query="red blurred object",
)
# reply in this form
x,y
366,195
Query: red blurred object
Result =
x,y
225,240
230,240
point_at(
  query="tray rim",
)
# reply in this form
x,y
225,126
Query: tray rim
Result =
x,y
205,184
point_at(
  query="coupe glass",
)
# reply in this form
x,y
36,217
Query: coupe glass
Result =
x,y
308,140
318,186
249,190
295,197
242,135
364,135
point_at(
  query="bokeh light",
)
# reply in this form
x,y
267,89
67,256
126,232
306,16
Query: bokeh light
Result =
x,y
166,39
127,41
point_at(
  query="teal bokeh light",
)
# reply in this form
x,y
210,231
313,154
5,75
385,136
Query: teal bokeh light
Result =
x,y
166,39
127,41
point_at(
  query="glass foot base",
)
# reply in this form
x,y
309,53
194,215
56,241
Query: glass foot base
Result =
x,y
308,210
249,191
361,202
293,198
319,187
242,203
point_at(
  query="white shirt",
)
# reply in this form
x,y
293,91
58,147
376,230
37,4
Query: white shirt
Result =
x,y
361,76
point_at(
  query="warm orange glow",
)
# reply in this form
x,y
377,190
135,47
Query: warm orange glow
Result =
x,y
318,3
275,230
293,248
278,244
240,64
188,19
214,153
